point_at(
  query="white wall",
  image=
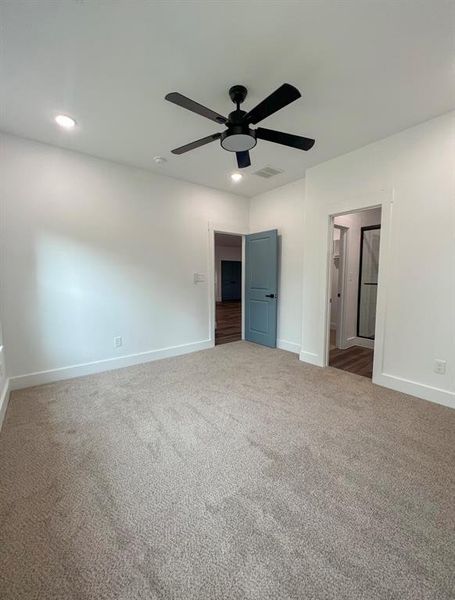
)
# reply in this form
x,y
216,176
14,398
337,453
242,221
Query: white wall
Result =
x,y
224,253
354,222
97,250
282,209
415,169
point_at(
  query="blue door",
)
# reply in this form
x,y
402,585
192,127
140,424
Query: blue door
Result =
x,y
261,286
231,280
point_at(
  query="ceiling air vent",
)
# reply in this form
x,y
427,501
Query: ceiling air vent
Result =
x,y
268,172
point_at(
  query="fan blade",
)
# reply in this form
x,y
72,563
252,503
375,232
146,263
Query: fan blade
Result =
x,y
197,143
287,139
243,159
280,98
195,107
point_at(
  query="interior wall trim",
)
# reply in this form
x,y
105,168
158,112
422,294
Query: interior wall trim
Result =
x,y
4,399
399,384
288,346
359,341
312,358
413,388
99,366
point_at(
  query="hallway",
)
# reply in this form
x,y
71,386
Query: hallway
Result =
x,y
356,360
228,322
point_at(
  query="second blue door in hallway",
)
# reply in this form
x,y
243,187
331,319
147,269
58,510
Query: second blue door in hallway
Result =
x,y
231,280
261,287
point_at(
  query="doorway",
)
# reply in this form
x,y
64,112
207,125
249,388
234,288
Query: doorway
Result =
x,y
354,267
228,288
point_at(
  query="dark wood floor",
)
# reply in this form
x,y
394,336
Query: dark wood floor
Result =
x,y
228,322
355,360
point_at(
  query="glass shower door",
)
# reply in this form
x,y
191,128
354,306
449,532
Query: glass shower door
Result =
x,y
368,281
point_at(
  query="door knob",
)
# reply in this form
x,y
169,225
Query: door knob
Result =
x,y
270,295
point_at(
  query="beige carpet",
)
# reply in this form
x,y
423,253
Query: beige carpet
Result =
x,y
232,474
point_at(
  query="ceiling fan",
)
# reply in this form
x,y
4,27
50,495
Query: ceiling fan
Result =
x,y
239,137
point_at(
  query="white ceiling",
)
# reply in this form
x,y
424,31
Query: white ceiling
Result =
x,y
366,69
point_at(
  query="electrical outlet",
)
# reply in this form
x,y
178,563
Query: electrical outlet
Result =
x,y
118,342
439,366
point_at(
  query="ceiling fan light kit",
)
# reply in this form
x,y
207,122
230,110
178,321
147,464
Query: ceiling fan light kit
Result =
x,y
239,137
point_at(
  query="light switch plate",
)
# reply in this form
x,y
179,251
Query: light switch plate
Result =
x,y
439,366
199,277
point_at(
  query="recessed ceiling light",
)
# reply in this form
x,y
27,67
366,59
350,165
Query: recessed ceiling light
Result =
x,y
65,121
159,160
236,177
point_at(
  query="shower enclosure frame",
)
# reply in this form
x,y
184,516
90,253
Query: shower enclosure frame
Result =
x,y
359,291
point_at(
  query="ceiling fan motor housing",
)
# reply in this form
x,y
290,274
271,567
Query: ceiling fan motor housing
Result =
x,y
238,93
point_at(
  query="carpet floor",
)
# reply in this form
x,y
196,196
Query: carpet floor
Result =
x,y
236,473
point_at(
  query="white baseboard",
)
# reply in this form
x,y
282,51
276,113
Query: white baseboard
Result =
x,y
310,357
40,377
413,388
4,399
289,346
359,341
399,384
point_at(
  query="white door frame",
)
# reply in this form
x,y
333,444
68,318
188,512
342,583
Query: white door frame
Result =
x,y
232,230
341,324
383,200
